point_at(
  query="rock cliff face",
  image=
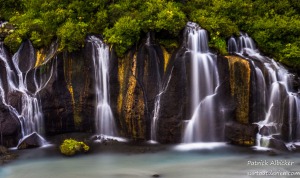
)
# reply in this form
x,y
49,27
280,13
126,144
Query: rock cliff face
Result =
x,y
9,127
240,130
146,73
134,90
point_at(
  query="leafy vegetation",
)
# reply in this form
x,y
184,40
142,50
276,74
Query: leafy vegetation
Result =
x,y
70,147
274,24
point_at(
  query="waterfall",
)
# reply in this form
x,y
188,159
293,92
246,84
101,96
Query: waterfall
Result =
x,y
232,45
24,82
274,96
157,105
157,108
204,81
104,121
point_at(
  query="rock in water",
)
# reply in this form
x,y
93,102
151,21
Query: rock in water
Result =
x,y
278,145
6,156
3,150
155,175
31,141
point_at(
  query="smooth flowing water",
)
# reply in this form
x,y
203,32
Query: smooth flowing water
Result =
x,y
216,162
105,124
25,82
204,81
277,105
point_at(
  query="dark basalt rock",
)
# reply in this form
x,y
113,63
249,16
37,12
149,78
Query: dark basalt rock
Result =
x,y
26,56
68,100
241,134
15,100
173,101
3,150
5,155
135,82
150,71
278,145
31,141
57,103
295,147
9,127
267,130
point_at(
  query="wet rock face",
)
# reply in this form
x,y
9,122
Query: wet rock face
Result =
x,y
26,56
239,72
15,100
56,104
9,127
173,102
128,95
135,82
68,98
241,134
150,72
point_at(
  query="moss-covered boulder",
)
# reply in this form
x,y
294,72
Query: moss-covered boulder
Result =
x,y
70,147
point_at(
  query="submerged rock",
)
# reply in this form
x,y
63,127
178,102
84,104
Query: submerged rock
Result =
x,y
31,141
5,155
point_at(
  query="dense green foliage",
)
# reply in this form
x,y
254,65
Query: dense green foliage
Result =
x,y
274,24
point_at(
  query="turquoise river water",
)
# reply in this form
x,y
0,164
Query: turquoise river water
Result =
x,y
215,160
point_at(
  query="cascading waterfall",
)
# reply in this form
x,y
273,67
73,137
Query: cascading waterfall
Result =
x,y
204,81
275,97
105,124
14,80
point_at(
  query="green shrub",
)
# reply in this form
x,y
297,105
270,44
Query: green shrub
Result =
x,y
70,147
273,24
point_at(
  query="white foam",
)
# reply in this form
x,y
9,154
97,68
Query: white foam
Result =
x,y
101,138
199,146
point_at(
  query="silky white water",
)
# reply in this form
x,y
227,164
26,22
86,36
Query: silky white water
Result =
x,y
17,81
204,81
278,104
105,124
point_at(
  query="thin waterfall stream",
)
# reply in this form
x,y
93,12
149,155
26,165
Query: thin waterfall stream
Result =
x,y
157,109
104,121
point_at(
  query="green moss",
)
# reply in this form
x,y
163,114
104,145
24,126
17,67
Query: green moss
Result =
x,y
70,147
169,44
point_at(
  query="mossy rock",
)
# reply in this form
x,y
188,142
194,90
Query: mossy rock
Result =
x,y
70,147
